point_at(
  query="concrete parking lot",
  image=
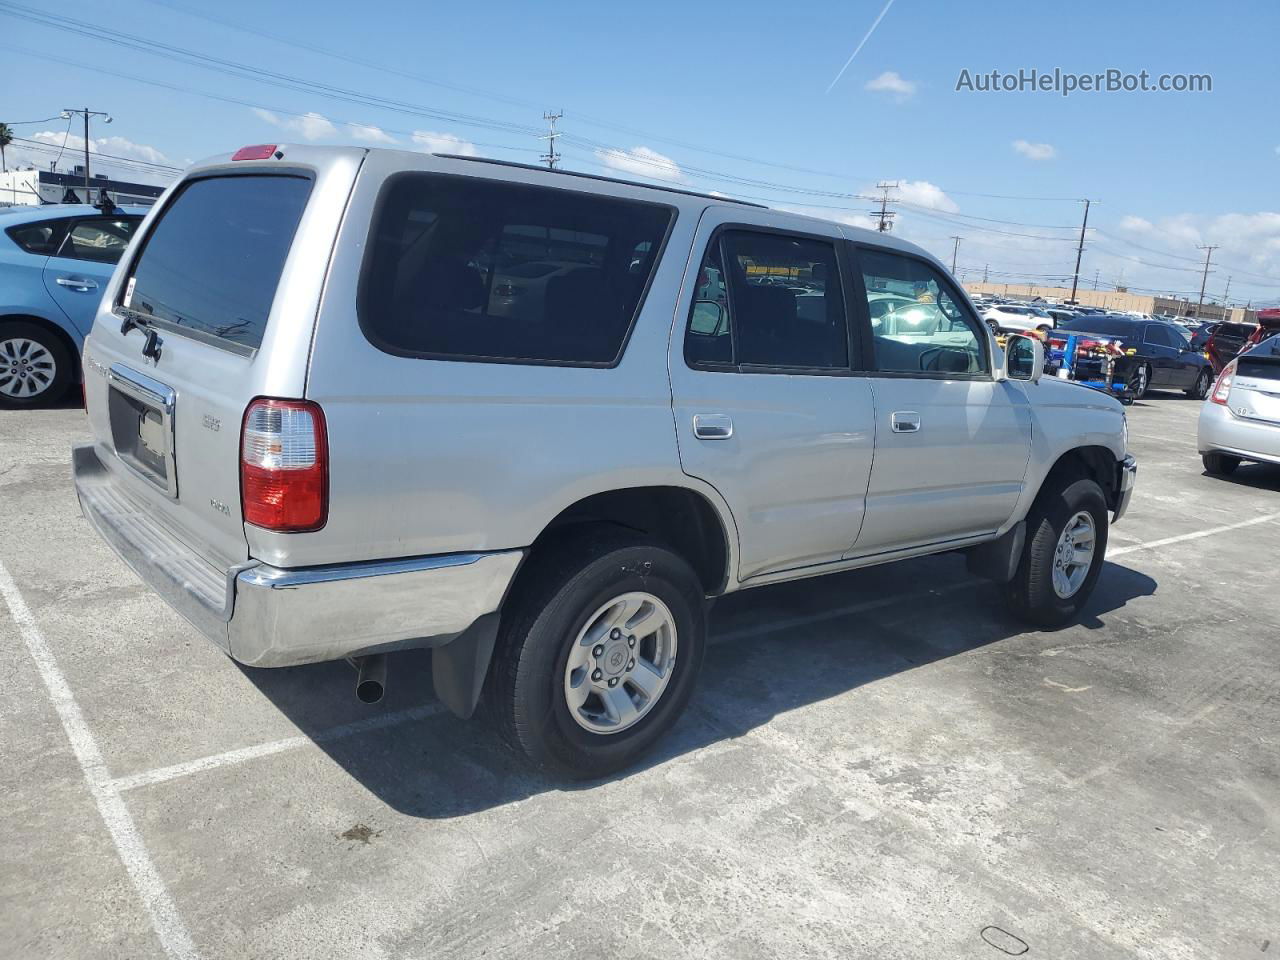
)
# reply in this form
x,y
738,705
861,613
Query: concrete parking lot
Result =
x,y
877,764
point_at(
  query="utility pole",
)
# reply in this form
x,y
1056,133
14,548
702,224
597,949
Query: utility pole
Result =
x,y
1208,252
1097,273
985,268
551,157
955,250
1080,249
884,213
86,113
1226,306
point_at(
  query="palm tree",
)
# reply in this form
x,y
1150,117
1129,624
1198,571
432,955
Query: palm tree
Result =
x,y
6,138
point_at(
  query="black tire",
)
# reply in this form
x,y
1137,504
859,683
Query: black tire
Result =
x,y
1219,464
1201,388
33,356
1031,593
1141,381
567,583
1044,330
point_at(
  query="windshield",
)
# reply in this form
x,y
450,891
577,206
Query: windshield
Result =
x,y
212,262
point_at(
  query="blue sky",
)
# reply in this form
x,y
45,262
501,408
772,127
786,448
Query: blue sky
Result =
x,y
698,93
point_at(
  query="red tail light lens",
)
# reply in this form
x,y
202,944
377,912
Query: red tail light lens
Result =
x,y
284,466
259,151
1222,387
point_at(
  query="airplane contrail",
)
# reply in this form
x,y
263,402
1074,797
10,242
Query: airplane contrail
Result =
x,y
860,45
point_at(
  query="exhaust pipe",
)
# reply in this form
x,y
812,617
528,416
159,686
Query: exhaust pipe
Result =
x,y
371,680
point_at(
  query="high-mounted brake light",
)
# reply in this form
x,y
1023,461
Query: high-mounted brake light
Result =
x,y
259,151
284,466
1222,387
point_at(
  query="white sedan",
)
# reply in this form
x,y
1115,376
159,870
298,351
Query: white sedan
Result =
x,y
1013,316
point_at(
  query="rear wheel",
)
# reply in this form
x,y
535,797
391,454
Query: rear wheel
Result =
x,y
1201,388
1066,543
35,367
1140,381
1219,464
598,653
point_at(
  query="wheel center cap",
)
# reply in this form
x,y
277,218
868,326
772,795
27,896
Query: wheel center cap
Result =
x,y
614,659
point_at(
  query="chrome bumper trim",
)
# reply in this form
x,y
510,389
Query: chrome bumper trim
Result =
x,y
266,616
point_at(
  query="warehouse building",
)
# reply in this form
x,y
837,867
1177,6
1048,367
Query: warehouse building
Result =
x,y
33,187
1117,300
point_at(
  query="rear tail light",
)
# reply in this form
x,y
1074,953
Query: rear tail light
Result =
x,y
1222,387
284,466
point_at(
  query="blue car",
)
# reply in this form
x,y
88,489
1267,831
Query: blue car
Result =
x,y
54,262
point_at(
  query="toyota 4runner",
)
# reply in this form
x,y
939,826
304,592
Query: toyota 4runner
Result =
x,y
346,401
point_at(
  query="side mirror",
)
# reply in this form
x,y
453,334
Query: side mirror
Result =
x,y
1024,358
708,318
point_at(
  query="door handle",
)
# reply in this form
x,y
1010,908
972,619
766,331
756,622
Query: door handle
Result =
x,y
712,426
905,421
80,284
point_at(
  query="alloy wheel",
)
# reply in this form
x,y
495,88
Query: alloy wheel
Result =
x,y
1073,557
27,368
621,663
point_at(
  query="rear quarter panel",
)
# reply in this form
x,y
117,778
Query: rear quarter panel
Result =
x,y
440,456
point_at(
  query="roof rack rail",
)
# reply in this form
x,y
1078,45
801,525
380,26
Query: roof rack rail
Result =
x,y
596,176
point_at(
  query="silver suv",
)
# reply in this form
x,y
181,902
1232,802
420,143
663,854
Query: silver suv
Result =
x,y
346,402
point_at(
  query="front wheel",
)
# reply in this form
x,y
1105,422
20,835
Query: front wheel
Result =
x,y
1201,388
598,653
1066,542
1140,381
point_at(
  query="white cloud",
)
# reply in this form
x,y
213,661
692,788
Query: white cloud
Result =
x,y
1035,151
115,146
922,193
434,142
310,126
369,134
1134,224
892,82
641,162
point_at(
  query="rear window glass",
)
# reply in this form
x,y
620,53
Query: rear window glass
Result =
x,y
461,268
211,264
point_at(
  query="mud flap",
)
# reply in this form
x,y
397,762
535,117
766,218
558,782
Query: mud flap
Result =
x,y
458,668
998,559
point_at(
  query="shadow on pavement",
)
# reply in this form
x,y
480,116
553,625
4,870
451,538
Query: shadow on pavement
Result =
x,y
773,649
1259,476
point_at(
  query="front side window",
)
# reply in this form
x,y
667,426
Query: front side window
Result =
x,y
475,269
102,240
925,329
768,300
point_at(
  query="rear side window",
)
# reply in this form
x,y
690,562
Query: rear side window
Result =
x,y
474,269
211,264
768,300
102,240
38,238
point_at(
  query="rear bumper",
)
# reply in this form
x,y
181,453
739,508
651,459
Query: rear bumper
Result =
x,y
1128,468
265,616
1221,431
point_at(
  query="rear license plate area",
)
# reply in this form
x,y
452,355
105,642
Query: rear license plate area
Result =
x,y
140,410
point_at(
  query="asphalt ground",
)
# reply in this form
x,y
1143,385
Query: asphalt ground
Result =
x,y
876,764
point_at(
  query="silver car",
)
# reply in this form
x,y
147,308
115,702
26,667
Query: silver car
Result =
x,y
321,431
1240,419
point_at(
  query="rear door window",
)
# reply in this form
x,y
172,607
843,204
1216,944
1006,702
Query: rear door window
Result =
x,y
38,238
101,239
210,266
464,268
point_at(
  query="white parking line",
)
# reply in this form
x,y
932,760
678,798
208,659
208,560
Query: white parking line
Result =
x,y
161,774
1197,535
132,851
